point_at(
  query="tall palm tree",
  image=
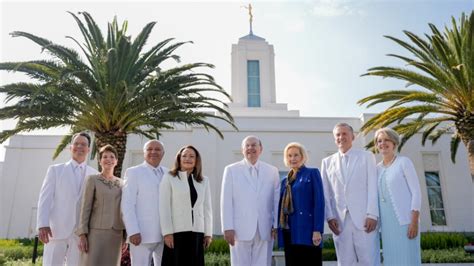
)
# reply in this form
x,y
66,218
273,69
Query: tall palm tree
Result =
x,y
443,66
119,88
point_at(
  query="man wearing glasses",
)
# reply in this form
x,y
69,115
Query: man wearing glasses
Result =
x,y
58,204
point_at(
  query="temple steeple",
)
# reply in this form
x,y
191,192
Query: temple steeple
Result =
x,y
253,78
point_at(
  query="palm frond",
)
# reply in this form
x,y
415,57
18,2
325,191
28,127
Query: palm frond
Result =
x,y
454,144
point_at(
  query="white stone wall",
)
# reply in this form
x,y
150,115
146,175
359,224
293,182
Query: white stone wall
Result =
x,y
27,158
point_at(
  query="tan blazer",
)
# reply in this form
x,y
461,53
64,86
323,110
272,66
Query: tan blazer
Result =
x,y
100,207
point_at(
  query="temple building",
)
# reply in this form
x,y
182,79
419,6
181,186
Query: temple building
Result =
x,y
447,188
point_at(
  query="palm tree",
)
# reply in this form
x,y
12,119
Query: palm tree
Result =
x,y
118,89
443,69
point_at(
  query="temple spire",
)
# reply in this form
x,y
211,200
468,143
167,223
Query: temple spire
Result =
x,y
249,8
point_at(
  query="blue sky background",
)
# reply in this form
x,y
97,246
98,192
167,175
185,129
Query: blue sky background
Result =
x,y
321,47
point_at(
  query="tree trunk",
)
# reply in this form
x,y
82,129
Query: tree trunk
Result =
x,y
470,155
119,141
466,132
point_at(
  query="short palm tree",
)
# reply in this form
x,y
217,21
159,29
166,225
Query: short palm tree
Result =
x,y
443,66
115,89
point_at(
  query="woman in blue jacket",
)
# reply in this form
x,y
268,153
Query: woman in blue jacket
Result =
x,y
301,210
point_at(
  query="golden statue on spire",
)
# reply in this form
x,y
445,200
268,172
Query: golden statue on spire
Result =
x,y
249,8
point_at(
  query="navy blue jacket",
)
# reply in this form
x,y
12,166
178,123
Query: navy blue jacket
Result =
x,y
308,205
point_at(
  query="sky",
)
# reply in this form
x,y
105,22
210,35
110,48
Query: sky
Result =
x,y
321,47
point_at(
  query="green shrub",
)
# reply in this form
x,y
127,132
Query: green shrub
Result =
x,y
217,259
19,252
329,254
442,240
29,242
8,243
469,236
328,243
23,262
218,246
455,255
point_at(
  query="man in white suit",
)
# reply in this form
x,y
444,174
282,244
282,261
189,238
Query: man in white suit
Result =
x,y
58,204
351,207
249,206
140,206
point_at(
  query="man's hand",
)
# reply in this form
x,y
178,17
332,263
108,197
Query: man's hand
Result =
x,y
169,241
207,241
334,226
370,225
44,233
229,236
274,233
83,244
135,239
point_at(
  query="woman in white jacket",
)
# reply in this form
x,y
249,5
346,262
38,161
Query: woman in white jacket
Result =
x,y
399,202
186,210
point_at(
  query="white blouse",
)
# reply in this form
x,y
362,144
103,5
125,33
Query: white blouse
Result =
x,y
403,186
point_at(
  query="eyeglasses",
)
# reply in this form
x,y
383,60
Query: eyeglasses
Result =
x,y
80,144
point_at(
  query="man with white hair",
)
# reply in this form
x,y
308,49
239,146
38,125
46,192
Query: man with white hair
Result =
x,y
351,205
140,206
249,206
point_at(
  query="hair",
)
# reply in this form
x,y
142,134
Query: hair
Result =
x,y
343,125
297,145
82,134
251,137
108,148
392,135
150,141
197,171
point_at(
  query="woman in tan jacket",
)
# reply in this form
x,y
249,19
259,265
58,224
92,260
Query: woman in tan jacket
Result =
x,y
101,229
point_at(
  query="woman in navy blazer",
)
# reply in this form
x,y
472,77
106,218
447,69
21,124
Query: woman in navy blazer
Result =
x,y
301,210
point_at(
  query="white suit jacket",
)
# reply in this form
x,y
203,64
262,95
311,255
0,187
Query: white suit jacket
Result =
x,y
175,205
358,194
244,205
59,202
139,204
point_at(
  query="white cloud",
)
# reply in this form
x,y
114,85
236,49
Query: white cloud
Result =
x,y
297,25
333,8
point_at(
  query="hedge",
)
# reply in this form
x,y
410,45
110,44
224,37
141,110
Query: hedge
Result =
x,y
437,247
442,240
455,255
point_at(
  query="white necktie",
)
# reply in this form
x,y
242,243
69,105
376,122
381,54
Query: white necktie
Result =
x,y
344,163
158,173
253,172
254,175
79,173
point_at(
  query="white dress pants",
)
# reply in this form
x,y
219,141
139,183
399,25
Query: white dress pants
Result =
x,y
62,252
256,252
142,254
356,247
